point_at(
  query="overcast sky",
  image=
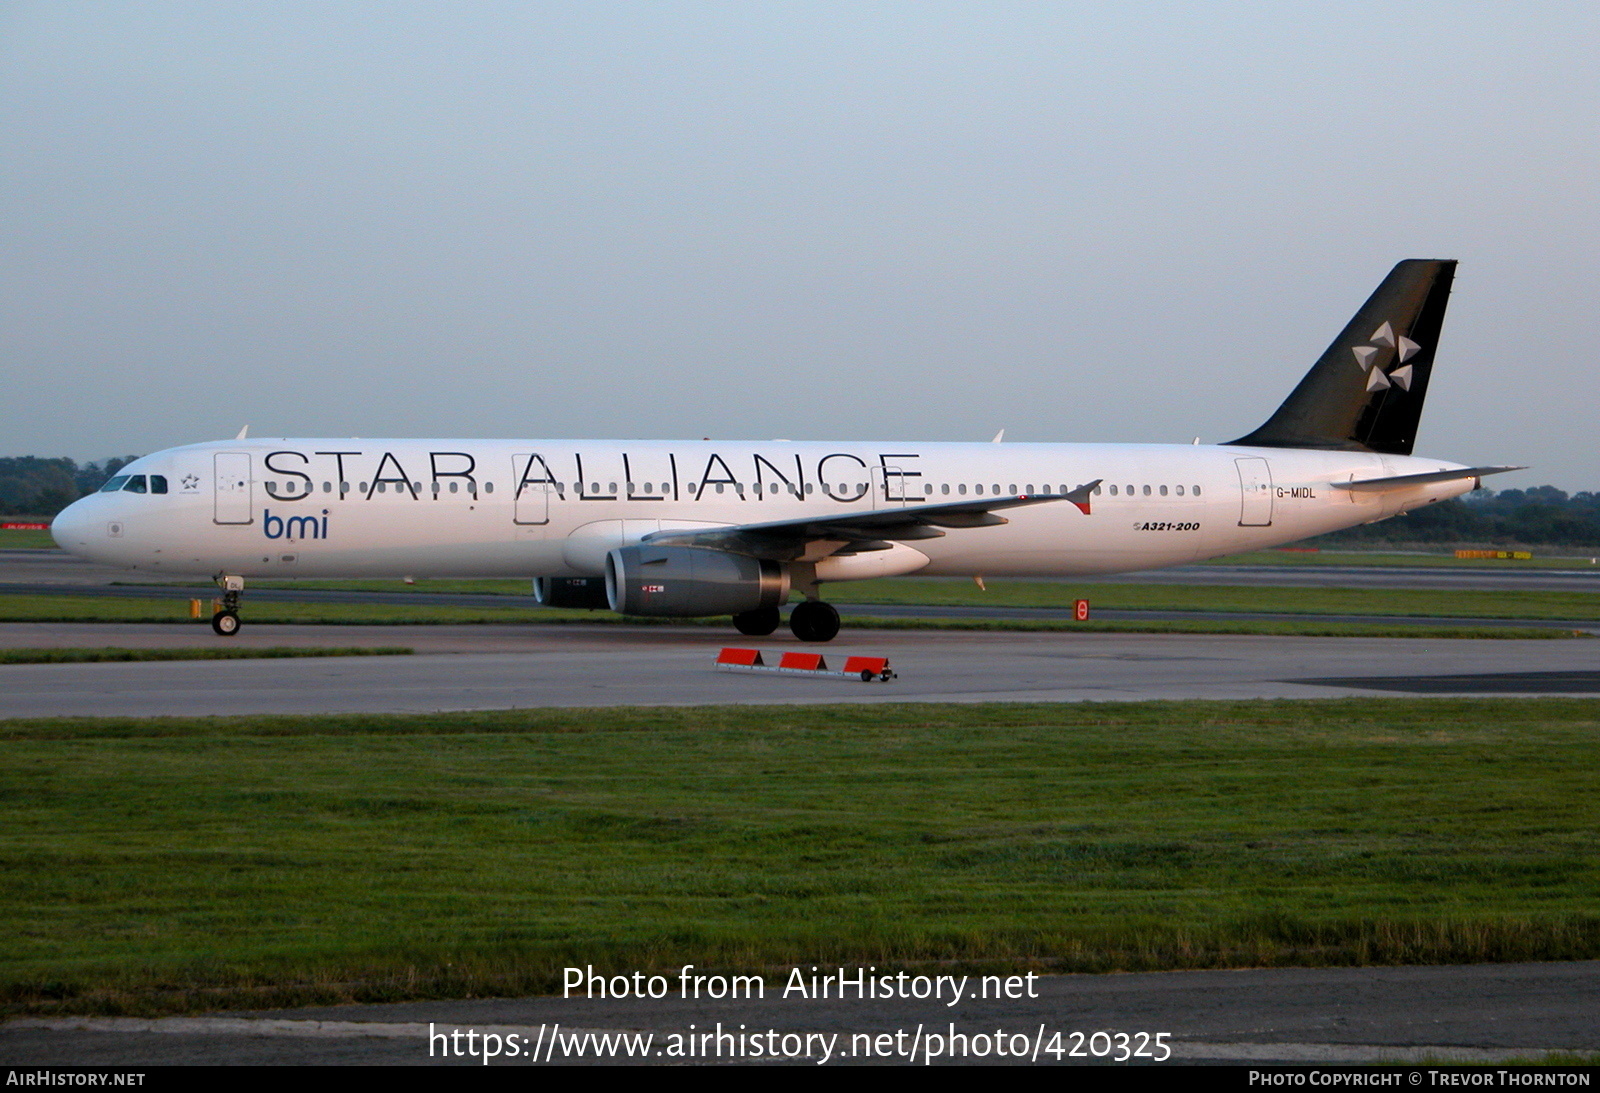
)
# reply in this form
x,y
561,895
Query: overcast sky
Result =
x,y
917,221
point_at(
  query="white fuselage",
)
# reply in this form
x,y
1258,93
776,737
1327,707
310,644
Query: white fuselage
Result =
x,y
496,508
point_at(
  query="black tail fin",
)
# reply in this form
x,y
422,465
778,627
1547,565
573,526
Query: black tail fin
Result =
x,y
1365,393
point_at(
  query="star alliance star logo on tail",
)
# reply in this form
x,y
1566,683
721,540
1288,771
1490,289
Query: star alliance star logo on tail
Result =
x,y
1367,355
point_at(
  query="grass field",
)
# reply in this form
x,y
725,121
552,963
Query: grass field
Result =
x,y
164,865
20,539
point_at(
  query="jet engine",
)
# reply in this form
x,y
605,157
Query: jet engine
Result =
x,y
683,582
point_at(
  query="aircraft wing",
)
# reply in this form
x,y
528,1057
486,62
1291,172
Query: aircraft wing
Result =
x,y
814,537
1401,481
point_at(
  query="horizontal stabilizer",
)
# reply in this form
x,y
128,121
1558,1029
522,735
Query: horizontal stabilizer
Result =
x,y
1401,481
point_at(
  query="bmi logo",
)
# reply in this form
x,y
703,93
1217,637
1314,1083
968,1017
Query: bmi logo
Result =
x,y
294,527
1367,357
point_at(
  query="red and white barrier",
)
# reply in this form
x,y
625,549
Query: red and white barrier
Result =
x,y
866,669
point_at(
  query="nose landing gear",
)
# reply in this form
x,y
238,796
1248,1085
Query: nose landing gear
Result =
x,y
226,621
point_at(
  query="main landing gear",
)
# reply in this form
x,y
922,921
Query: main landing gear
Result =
x,y
758,623
226,621
810,621
814,620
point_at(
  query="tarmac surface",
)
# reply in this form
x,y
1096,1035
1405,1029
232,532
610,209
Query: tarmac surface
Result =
x,y
520,666
1466,1014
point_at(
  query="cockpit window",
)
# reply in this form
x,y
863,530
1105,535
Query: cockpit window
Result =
x,y
136,483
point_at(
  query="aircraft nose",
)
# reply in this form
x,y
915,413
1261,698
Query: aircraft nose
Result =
x,y
70,526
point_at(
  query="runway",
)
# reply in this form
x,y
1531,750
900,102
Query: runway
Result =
x,y
501,667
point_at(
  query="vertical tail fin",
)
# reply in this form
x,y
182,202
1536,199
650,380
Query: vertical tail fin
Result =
x,y
1365,392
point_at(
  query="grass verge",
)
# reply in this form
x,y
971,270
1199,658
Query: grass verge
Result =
x,y
163,865
26,538
1412,559
22,608
956,592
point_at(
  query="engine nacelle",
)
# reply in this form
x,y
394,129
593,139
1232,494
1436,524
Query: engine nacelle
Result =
x,y
583,592
683,582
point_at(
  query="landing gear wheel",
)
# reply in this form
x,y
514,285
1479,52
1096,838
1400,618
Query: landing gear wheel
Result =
x,y
758,623
814,621
225,623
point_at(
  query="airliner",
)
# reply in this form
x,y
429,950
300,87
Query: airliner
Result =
x,y
707,528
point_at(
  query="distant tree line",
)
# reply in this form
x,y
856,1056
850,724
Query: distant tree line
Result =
x,y
1541,516
31,486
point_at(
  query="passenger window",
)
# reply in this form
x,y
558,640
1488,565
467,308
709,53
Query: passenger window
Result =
x,y
1197,491
944,488
1011,489
158,483
135,484
327,487
962,489
1147,491
1030,487
1180,491
455,487
1163,491
978,489
383,487
612,487
996,489
927,489
272,487
488,487
1113,491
